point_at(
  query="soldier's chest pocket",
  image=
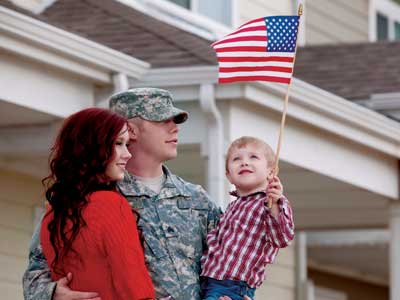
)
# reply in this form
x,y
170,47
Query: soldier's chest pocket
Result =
x,y
154,250
192,229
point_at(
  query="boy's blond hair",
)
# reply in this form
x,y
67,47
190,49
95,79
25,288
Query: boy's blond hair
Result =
x,y
247,140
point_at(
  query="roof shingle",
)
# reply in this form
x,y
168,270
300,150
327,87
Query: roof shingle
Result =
x,y
353,71
127,30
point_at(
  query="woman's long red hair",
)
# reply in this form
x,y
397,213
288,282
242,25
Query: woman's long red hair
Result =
x,y
78,161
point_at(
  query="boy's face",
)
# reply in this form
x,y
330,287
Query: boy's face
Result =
x,y
248,169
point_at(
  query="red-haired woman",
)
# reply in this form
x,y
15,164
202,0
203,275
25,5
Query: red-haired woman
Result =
x,y
89,229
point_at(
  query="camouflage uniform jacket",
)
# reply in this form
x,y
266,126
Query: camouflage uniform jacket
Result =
x,y
174,225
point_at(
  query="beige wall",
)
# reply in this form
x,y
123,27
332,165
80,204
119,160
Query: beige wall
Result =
x,y
19,195
338,21
280,281
327,21
248,10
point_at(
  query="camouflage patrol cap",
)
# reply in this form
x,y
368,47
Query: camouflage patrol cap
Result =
x,y
151,104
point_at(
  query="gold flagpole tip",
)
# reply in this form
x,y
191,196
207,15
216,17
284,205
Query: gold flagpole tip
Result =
x,y
300,10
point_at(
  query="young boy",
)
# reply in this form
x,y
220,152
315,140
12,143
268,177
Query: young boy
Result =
x,y
249,234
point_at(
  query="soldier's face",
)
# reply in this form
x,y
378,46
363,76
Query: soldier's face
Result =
x,y
158,139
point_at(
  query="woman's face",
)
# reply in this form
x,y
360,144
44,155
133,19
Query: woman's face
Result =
x,y
116,167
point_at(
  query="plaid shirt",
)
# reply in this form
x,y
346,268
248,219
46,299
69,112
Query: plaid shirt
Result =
x,y
246,239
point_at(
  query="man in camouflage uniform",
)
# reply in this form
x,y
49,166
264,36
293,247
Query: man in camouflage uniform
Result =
x,y
174,220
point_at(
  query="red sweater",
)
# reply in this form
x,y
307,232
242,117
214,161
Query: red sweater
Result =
x,y
110,260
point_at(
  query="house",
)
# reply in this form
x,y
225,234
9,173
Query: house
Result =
x,y
339,160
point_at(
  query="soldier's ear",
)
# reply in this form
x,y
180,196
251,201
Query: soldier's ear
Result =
x,y
133,130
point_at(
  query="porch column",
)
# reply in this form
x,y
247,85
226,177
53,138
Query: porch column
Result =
x,y
301,264
394,261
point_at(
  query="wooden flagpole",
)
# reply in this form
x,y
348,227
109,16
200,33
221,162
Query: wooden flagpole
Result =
x,y
278,148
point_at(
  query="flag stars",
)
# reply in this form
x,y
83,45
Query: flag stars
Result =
x,y
282,34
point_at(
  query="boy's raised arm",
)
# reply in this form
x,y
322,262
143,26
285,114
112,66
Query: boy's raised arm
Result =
x,y
281,229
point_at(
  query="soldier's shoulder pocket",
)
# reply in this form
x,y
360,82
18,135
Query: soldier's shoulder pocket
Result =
x,y
184,202
200,205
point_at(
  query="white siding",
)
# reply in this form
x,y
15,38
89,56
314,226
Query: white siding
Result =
x,y
31,5
42,88
337,21
19,194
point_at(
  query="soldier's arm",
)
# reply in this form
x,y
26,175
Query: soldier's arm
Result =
x,y
37,284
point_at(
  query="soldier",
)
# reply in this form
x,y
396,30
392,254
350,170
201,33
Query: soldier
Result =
x,y
175,215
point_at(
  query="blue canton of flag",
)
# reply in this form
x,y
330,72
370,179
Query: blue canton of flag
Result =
x,y
282,33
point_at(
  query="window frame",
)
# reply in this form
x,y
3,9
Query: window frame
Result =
x,y
388,9
380,18
194,8
182,18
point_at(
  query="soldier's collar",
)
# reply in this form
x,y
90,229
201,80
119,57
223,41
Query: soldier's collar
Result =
x,y
173,184
130,186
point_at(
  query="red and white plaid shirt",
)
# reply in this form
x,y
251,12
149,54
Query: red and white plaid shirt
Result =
x,y
247,238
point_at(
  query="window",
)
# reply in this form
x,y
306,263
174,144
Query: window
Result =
x,y
384,20
382,27
220,11
397,31
183,3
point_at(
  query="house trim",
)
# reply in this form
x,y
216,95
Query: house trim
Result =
x,y
47,44
307,103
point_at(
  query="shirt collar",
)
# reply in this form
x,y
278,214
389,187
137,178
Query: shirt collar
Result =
x,y
246,197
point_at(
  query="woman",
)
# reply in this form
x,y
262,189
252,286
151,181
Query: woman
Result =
x,y
89,229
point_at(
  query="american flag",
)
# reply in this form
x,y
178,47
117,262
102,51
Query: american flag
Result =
x,y
260,50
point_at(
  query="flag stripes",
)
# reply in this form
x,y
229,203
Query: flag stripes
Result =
x,y
244,55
